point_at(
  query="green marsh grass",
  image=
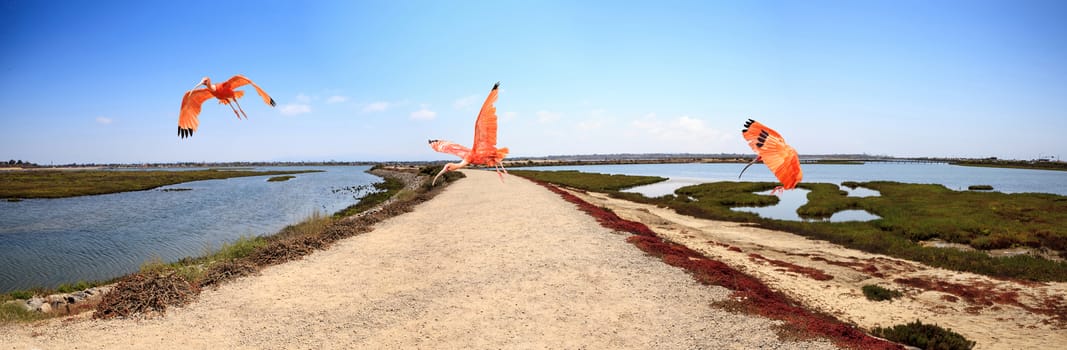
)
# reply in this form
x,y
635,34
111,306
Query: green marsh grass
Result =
x,y
601,183
909,213
71,183
280,178
13,312
383,191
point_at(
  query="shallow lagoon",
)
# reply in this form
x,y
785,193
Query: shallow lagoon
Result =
x,y
47,242
954,177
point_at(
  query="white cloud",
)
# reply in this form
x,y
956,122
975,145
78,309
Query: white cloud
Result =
x,y
336,99
423,114
104,120
463,102
376,106
304,99
685,131
547,117
295,109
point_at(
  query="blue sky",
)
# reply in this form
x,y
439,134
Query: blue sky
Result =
x,y
101,82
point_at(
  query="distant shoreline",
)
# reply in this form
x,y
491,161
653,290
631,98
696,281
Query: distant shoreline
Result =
x,y
593,159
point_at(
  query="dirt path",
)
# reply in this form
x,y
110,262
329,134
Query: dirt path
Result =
x,y
992,312
483,265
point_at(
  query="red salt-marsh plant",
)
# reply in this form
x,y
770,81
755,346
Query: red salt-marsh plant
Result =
x,y
749,293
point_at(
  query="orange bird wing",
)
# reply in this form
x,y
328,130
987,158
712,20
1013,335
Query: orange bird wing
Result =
x,y
240,80
752,132
484,148
450,148
781,158
187,118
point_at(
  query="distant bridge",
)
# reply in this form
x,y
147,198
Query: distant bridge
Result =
x,y
876,160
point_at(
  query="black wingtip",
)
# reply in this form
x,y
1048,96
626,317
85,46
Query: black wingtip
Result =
x,y
272,104
497,85
184,132
431,141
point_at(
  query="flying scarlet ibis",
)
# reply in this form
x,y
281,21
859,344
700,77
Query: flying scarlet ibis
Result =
x,y
770,147
225,93
484,151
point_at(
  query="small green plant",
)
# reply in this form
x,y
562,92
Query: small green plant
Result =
x,y
20,294
980,187
13,312
245,245
155,265
280,178
878,293
74,287
924,336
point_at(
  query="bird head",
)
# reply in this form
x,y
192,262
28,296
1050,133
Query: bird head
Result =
x,y
205,81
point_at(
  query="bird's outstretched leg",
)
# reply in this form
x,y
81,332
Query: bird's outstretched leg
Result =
x,y
239,108
778,190
499,167
234,109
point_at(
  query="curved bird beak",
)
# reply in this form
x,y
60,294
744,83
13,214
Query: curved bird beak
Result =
x,y
202,82
746,166
195,86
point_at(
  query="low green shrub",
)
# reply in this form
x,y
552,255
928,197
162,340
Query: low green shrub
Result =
x,y
878,293
280,178
925,336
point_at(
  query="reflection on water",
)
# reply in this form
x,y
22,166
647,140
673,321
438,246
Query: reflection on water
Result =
x,y
46,242
852,215
860,192
786,209
663,188
791,200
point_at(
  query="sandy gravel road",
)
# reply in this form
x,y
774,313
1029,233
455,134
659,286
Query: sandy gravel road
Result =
x,y
483,265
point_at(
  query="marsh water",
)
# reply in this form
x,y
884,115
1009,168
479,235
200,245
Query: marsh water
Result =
x,y
954,177
47,242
